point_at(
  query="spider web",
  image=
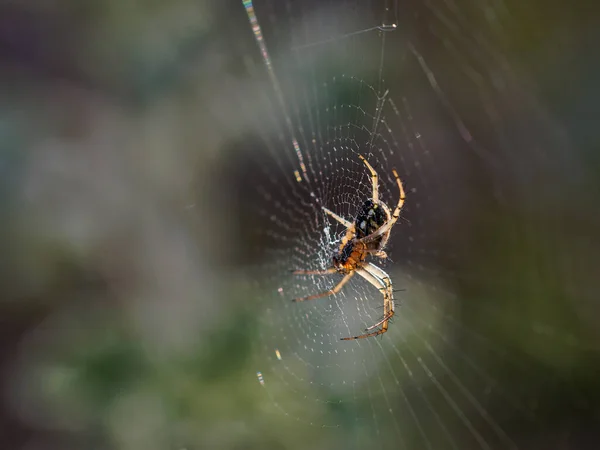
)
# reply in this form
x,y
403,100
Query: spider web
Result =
x,y
344,79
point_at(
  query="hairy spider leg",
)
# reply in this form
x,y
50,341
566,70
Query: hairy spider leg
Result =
x,y
335,290
374,178
388,301
380,285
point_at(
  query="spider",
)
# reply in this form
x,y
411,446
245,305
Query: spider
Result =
x,y
367,235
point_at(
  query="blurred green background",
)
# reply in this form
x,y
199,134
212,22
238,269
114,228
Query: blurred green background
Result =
x,y
133,282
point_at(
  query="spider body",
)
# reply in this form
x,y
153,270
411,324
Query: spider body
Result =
x,y
367,235
355,247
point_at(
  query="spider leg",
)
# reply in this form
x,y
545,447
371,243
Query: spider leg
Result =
x,y
335,290
314,272
380,254
388,303
379,273
388,307
374,177
401,199
338,218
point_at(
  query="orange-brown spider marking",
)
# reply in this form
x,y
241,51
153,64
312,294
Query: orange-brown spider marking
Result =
x,y
366,235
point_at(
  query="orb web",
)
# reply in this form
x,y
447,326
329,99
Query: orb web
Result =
x,y
342,81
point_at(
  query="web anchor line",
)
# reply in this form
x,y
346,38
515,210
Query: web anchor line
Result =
x,y
384,27
258,36
377,118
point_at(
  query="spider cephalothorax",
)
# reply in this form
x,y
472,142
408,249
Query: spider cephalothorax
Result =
x,y
366,235
351,255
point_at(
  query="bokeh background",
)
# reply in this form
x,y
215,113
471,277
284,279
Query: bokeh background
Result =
x,y
136,271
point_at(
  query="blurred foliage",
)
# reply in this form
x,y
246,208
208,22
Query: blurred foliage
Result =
x,y
127,328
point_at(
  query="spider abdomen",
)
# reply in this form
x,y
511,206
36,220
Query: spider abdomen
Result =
x,y
369,219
